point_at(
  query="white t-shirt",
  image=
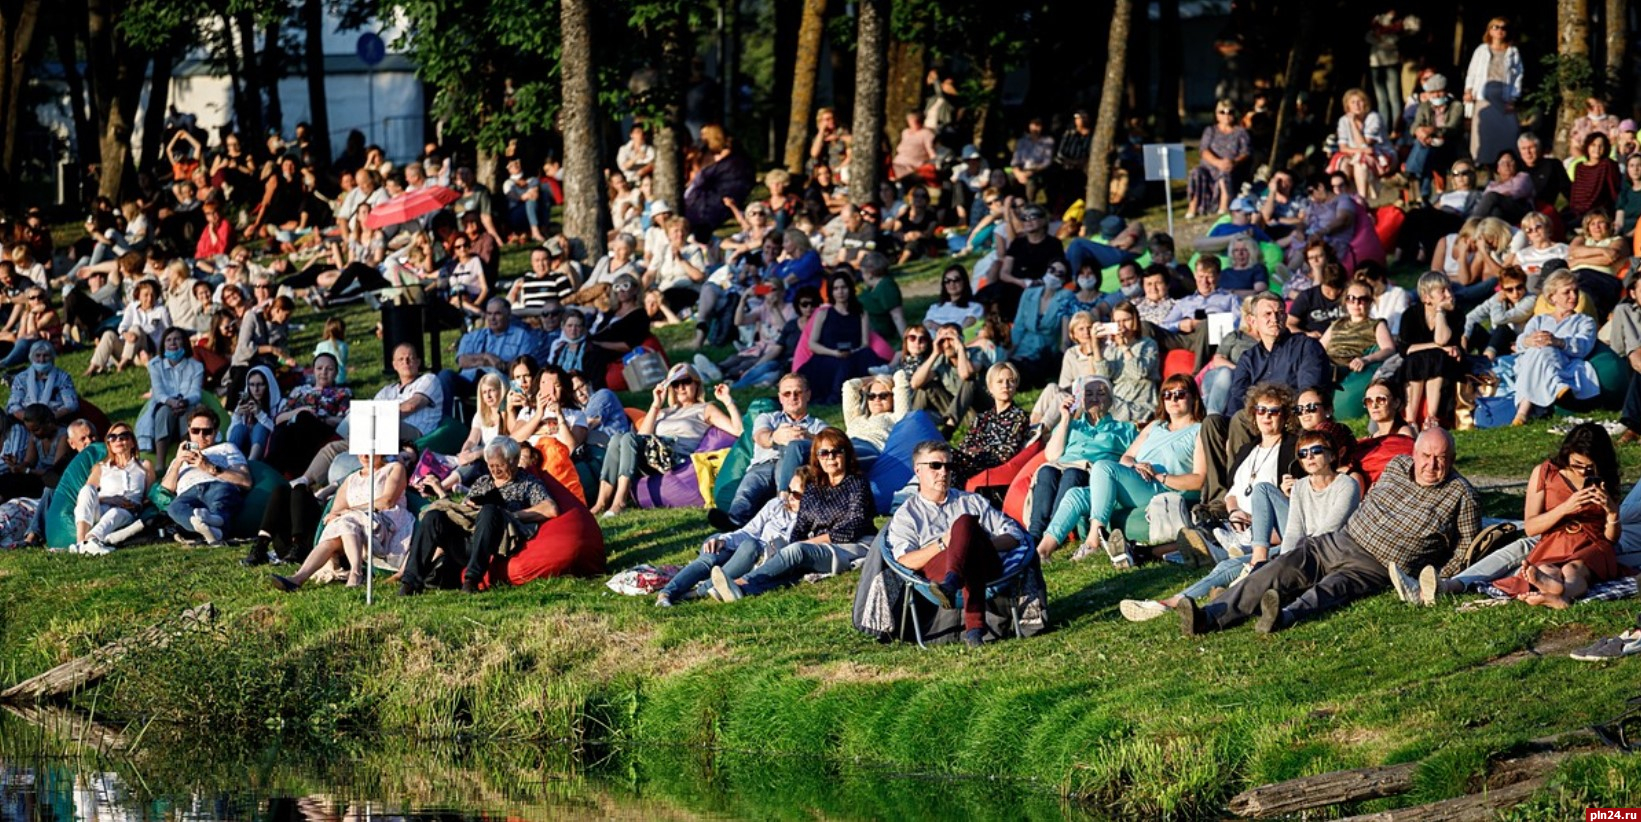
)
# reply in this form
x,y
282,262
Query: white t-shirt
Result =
x,y
1259,466
223,455
1390,305
424,419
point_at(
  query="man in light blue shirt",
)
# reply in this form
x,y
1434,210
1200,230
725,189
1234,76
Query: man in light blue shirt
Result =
x,y
1186,326
495,346
780,441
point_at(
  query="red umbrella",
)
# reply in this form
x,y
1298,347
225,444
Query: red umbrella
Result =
x,y
407,207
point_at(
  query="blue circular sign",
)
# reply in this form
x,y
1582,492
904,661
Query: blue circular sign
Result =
x,y
370,48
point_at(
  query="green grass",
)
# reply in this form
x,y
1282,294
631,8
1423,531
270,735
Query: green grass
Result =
x,y
749,707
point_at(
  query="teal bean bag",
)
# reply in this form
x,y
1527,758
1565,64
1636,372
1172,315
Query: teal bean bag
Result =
x,y
447,439
1612,372
60,530
740,454
249,519
1347,400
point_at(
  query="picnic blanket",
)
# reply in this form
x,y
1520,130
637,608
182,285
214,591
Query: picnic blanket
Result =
x,y
1622,588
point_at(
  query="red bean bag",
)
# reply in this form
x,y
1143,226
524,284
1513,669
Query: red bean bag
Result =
x,y
1387,224
92,414
615,378
1014,502
569,544
679,488
1004,474
1372,454
1179,361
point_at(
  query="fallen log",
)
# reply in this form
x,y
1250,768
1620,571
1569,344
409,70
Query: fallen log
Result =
x,y
85,671
1471,808
81,733
1355,785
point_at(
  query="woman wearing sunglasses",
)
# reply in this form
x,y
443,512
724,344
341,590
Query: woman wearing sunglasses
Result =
x,y
1167,456
112,494
1391,436
1357,341
1318,503
871,407
833,530
1262,462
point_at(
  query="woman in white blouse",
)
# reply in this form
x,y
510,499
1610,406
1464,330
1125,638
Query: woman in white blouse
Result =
x,y
112,494
145,318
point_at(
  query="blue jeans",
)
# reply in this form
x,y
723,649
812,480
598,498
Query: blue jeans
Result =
x,y
1222,576
793,561
1387,95
19,352
221,498
1080,252
245,436
737,558
757,487
763,372
1216,390
1269,509
793,457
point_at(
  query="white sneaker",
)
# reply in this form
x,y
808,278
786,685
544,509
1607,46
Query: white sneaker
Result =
x,y
1229,542
93,547
207,525
1140,610
1407,588
727,591
709,370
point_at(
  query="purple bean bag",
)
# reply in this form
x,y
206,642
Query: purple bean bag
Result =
x,y
678,488
893,468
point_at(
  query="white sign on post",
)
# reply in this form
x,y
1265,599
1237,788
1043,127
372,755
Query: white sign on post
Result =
x,y
373,428
1220,326
1165,162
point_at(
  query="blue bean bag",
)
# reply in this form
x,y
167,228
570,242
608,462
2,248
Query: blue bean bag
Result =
x,y
60,530
893,468
740,454
679,488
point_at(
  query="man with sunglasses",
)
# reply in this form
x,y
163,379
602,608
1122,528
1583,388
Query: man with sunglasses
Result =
x,y
209,479
1417,514
780,442
942,378
1491,328
1025,261
954,538
1280,356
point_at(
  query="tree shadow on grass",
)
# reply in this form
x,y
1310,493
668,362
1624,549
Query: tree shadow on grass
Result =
x,y
1100,597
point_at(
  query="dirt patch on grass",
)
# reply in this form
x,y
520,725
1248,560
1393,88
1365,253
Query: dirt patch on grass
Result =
x,y
850,672
1554,642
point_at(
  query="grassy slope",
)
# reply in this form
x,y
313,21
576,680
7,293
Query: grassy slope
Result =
x,y
1134,718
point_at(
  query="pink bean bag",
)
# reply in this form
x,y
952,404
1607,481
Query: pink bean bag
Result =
x,y
879,345
569,544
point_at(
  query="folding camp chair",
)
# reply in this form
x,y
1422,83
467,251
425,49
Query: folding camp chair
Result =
x,y
1015,564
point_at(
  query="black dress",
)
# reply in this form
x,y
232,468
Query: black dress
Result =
x,y
1430,363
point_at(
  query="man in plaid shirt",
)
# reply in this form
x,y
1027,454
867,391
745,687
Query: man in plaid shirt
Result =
x,y
1417,514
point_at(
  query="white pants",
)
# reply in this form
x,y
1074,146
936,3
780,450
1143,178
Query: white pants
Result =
x,y
104,519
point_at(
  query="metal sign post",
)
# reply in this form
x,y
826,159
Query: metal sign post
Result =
x,y
373,430
1165,162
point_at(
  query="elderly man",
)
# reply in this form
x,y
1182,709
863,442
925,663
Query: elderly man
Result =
x,y
496,345
81,434
1279,356
421,408
209,478
780,442
1417,514
507,502
1186,325
953,537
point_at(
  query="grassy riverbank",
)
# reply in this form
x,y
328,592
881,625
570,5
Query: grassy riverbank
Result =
x,y
781,691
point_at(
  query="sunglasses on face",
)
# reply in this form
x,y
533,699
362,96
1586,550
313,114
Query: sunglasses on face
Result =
x,y
1268,410
1514,289
918,338
880,395
794,494
121,435
952,281
1312,451
792,393
202,431
1376,401
1308,408
935,466
1358,298
1176,394
827,453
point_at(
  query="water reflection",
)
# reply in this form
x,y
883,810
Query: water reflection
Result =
x,y
49,775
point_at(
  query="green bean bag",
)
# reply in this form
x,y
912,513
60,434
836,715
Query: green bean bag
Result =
x,y
1612,372
60,530
740,454
249,519
1347,400
447,439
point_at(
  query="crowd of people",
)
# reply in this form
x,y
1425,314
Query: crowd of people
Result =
x,y
1194,397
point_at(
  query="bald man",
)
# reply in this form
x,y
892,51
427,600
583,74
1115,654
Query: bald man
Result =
x,y
1417,514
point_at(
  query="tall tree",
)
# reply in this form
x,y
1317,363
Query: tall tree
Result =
x,y
1297,78
1097,197
270,66
1573,48
68,30
248,103
1618,41
871,64
116,72
313,50
577,120
1168,69
803,83
18,19
666,99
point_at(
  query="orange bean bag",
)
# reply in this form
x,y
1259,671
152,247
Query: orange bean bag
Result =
x,y
556,463
569,544
1014,503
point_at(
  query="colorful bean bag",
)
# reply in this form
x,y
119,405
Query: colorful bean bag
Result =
x,y
248,521
1347,400
569,544
60,530
879,345
1017,504
556,460
1387,224
893,468
1003,475
679,488
1179,361
740,454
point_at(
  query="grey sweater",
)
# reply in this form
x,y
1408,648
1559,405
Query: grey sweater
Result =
x,y
1312,513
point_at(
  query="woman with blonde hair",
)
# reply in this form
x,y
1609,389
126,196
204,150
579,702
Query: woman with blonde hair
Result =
x,y
113,493
1362,143
1554,350
490,420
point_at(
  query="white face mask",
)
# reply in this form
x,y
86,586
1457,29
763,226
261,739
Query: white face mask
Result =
x,y
1133,290
1087,283
1051,282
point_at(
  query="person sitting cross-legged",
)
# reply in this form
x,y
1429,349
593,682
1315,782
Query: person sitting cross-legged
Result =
x,y
1417,514
209,478
834,526
954,538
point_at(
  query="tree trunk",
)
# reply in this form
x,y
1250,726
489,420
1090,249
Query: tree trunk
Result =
x,y
1301,59
270,69
250,104
1170,86
16,37
153,119
1333,788
1573,25
1098,194
669,132
803,83
871,52
982,111
1618,79
578,118
66,34
116,83
313,25
236,80
904,88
